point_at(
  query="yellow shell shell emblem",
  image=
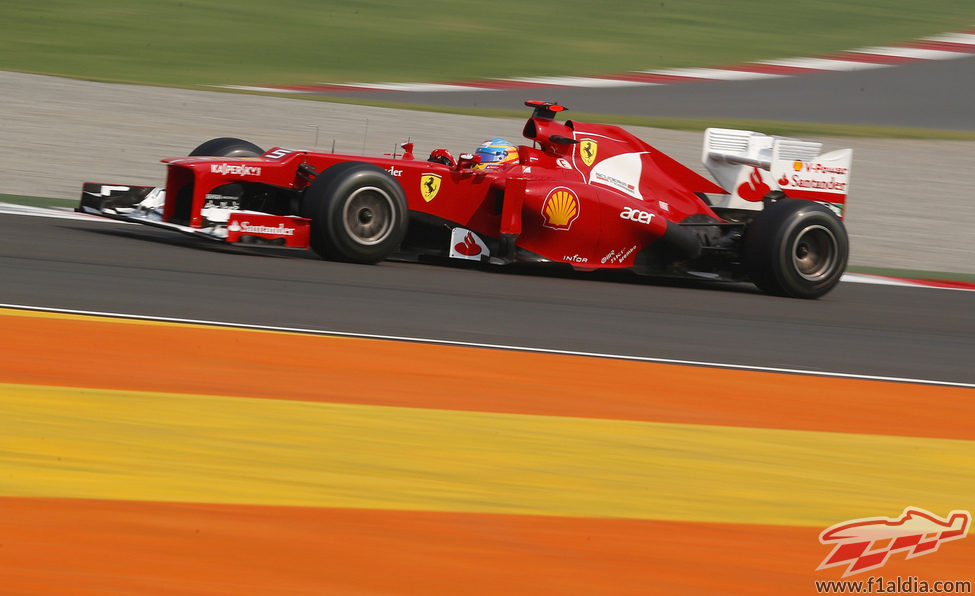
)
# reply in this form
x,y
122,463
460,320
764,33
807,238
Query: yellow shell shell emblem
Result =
x,y
429,186
560,209
587,151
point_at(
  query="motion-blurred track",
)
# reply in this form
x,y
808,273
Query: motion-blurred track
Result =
x,y
857,329
932,94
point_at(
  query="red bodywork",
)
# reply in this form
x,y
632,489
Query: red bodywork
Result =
x,y
587,194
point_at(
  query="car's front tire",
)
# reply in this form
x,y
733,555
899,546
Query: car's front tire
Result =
x,y
227,147
796,248
358,212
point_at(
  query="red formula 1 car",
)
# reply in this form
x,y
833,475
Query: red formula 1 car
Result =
x,y
593,196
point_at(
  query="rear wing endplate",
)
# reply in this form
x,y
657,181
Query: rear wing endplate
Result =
x,y
749,165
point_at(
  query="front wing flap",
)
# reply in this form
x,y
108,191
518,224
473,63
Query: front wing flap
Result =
x,y
144,205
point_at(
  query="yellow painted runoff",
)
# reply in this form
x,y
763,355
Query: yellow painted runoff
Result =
x,y
102,444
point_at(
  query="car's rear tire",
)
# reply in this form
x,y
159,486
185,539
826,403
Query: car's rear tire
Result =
x,y
796,248
227,147
358,212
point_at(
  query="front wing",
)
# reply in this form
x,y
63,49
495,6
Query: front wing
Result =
x,y
144,205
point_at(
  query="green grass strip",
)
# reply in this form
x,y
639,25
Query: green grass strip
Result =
x,y
248,42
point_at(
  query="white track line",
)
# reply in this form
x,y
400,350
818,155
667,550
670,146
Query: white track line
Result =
x,y
824,64
589,82
465,344
962,38
54,213
263,89
714,74
738,73
918,53
882,280
417,87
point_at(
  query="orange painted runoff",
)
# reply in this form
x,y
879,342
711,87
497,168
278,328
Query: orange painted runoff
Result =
x,y
53,546
68,350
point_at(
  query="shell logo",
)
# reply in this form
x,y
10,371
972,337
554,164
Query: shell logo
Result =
x,y
797,165
560,209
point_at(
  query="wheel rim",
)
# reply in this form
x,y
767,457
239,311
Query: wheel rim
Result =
x,y
368,215
815,253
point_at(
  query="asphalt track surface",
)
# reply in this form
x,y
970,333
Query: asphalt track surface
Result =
x,y
95,265
910,206
933,94
857,329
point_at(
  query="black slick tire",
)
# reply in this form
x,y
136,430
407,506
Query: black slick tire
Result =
x,y
796,248
227,147
359,213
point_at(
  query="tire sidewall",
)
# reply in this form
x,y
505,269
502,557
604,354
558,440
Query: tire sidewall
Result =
x,y
325,203
770,242
227,147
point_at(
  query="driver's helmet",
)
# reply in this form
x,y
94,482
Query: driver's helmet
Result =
x,y
495,153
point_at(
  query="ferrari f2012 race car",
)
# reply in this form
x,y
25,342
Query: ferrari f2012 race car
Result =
x,y
588,195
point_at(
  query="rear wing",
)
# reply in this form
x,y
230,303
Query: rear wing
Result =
x,y
749,165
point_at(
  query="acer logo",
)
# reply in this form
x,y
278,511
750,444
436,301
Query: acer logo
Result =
x,y
636,215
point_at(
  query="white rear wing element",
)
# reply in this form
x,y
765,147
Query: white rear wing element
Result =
x,y
750,164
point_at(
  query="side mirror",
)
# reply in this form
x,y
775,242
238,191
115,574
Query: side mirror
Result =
x,y
468,160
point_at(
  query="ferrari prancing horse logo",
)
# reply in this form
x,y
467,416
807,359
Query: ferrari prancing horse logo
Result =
x,y
587,150
429,186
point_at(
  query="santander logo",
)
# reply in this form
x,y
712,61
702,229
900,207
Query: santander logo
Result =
x,y
247,227
753,189
468,247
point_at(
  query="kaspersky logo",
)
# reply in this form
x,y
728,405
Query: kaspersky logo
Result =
x,y
236,170
867,543
560,209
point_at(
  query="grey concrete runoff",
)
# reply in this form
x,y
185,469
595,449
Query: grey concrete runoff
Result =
x,y
912,203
